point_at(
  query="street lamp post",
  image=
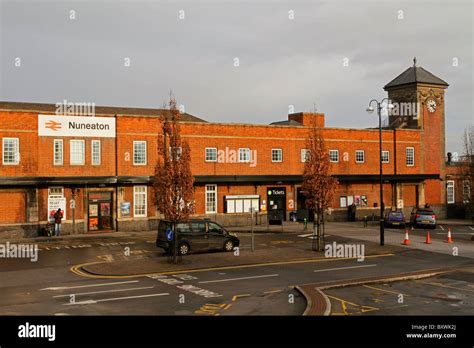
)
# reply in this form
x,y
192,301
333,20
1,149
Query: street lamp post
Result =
x,y
370,109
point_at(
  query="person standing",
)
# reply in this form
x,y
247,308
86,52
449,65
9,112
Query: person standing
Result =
x,y
353,211
58,216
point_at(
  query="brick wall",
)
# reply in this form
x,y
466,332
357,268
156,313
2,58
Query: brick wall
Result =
x,y
12,207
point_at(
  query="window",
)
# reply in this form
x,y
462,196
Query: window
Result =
x,y
241,203
334,155
139,201
343,201
277,155
95,152
214,228
450,192
385,157
77,152
56,192
176,152
244,155
139,153
211,154
410,160
466,193
211,199
11,151
304,155
360,156
58,152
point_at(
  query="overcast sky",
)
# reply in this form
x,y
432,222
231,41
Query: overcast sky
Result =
x,y
282,61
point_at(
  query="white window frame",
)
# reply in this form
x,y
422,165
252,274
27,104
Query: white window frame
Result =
x,y
337,156
16,155
413,156
136,142
58,194
208,159
60,161
281,155
242,151
141,190
214,192
179,153
77,141
363,155
304,155
450,185
466,191
99,153
388,156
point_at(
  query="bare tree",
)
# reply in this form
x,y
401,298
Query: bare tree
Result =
x,y
318,184
173,180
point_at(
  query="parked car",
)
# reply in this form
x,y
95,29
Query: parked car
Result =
x,y
395,218
196,235
423,217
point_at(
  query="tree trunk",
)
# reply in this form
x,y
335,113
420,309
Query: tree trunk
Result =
x,y
315,217
175,246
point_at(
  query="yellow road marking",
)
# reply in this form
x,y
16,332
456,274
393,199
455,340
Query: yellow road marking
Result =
x,y
447,286
76,269
212,309
239,296
344,303
272,291
391,292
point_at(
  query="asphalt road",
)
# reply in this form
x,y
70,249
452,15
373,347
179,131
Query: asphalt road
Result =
x,y
49,287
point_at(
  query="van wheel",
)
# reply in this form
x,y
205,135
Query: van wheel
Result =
x,y
229,245
183,249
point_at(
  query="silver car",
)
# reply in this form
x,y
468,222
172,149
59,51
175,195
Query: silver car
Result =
x,y
423,218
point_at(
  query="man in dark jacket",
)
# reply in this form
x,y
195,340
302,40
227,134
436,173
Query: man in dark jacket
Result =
x,y
57,222
353,211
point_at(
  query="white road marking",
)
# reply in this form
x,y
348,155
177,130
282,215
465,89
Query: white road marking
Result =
x,y
114,299
103,291
232,279
87,286
340,268
472,228
454,234
305,235
441,227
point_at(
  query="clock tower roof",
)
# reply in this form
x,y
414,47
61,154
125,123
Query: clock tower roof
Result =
x,y
415,74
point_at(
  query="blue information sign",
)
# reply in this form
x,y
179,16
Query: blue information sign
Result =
x,y
169,234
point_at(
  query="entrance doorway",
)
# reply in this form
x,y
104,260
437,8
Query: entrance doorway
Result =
x,y
302,211
276,198
100,211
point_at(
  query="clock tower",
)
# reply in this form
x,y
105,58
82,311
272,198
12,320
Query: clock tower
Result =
x,y
418,99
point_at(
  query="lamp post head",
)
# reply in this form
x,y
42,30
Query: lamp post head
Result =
x,y
370,109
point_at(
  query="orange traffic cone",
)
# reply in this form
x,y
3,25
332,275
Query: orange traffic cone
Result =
x,y
428,239
407,238
449,240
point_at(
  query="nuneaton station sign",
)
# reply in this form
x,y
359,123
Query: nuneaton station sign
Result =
x,y
76,126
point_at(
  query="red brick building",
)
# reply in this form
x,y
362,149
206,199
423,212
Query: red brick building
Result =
x,y
105,163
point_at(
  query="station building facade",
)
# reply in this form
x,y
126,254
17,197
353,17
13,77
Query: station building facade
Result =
x,y
99,170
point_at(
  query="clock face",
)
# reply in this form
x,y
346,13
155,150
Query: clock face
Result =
x,y
431,105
